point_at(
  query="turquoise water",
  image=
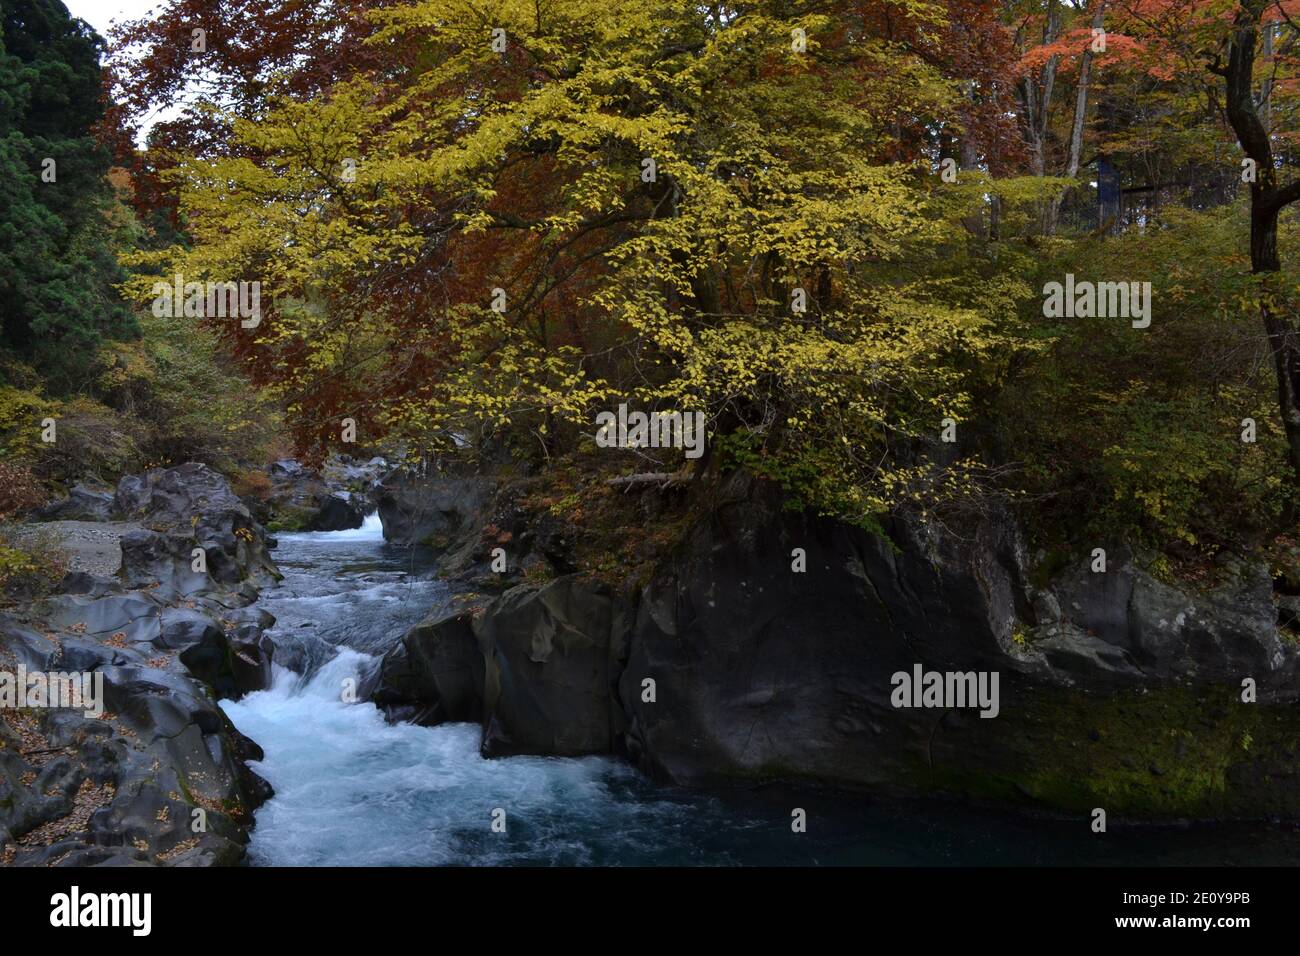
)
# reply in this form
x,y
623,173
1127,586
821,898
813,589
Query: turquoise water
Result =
x,y
352,790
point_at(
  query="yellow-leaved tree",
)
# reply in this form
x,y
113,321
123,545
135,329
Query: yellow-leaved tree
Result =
x,y
538,210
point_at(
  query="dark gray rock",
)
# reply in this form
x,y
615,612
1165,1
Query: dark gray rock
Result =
x,y
339,511
155,557
552,657
445,657
434,511
251,614
1123,627
81,582
250,661
343,471
182,627
435,674
335,497
131,785
83,655
760,673
186,507
32,649
84,503
133,615
231,668
286,469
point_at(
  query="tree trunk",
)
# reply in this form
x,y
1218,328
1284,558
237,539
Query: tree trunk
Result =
x,y
1080,118
1037,97
1267,200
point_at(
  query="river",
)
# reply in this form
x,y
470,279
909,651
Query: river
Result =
x,y
353,790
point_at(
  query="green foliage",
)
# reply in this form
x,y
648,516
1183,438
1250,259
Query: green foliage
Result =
x,y
170,396
521,170
91,440
21,412
185,398
29,567
1136,434
1178,470
57,267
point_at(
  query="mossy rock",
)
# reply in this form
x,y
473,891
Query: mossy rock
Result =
x,y
1169,753
289,518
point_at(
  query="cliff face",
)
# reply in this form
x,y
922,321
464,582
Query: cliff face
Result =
x,y
1114,690
778,645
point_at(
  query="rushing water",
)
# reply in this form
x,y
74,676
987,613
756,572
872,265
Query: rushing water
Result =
x,y
354,790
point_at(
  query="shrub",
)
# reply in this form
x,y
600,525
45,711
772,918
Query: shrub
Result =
x,y
30,566
19,490
185,399
1136,434
252,483
91,440
21,412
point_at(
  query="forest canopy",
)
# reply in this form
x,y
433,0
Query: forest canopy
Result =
x,y
827,226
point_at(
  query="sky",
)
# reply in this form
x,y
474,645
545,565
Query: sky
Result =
x,y
98,13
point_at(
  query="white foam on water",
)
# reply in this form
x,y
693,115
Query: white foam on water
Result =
x,y
372,529
353,790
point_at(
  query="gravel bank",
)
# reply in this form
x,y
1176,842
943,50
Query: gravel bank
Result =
x,y
91,546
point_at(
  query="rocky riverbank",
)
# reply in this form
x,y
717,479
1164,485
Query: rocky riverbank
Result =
x,y
335,497
762,646
765,647
152,772
92,547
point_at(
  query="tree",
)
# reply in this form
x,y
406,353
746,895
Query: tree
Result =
x,y
1269,195
681,207
57,266
171,67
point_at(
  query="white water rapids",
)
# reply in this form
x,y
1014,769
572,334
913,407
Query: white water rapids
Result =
x,y
353,790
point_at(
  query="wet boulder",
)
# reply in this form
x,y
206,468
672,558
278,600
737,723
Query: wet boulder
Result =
x,y
250,660
435,511
231,665
742,668
552,658
339,511
444,656
335,497
767,647
182,627
435,674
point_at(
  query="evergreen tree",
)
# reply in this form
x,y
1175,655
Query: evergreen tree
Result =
x,y
57,266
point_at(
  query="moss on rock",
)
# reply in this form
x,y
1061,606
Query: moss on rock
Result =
x,y
289,518
1166,753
